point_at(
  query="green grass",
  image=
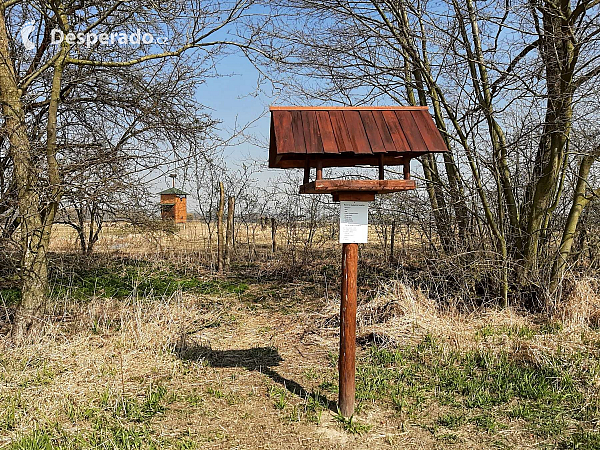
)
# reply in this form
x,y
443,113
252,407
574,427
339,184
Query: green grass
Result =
x,y
309,408
10,296
426,385
115,421
132,408
483,389
8,415
127,281
452,420
279,395
120,281
229,397
351,425
36,440
585,440
314,406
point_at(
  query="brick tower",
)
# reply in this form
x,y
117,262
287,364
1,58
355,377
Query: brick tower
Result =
x,y
173,203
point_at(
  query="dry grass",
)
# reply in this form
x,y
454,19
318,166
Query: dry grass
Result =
x,y
581,304
239,375
192,236
118,350
400,314
258,369
125,238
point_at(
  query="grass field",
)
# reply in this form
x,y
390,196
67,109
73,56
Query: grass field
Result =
x,y
158,352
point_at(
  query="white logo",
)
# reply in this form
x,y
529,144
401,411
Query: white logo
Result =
x,y
90,39
25,33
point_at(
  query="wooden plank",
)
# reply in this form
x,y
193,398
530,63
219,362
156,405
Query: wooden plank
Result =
x,y
358,136
340,130
298,132
272,146
312,135
345,160
353,196
384,132
431,135
284,138
307,171
349,108
376,186
372,131
347,359
327,136
400,142
411,131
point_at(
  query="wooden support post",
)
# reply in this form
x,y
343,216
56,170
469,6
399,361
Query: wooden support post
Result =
x,y
406,169
229,231
220,237
319,170
381,169
307,172
273,235
347,360
392,240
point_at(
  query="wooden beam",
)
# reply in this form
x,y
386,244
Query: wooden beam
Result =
x,y
298,161
319,170
381,168
353,196
373,186
406,170
274,162
307,171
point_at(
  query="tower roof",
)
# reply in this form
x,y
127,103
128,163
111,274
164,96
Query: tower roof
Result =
x,y
173,191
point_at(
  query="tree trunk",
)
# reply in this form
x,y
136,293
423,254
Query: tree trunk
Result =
x,y
34,236
580,201
560,56
220,240
438,203
481,85
434,183
229,232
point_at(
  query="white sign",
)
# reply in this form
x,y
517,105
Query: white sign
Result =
x,y
354,222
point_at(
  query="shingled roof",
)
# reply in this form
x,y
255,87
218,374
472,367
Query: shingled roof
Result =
x,y
349,136
173,191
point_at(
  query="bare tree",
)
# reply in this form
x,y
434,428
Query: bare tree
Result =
x,y
508,84
43,86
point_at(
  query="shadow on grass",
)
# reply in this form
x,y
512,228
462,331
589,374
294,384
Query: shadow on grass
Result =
x,y
261,359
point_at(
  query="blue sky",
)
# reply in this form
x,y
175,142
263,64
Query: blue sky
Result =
x,y
233,100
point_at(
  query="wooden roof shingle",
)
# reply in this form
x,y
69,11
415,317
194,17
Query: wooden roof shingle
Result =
x,y
349,136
